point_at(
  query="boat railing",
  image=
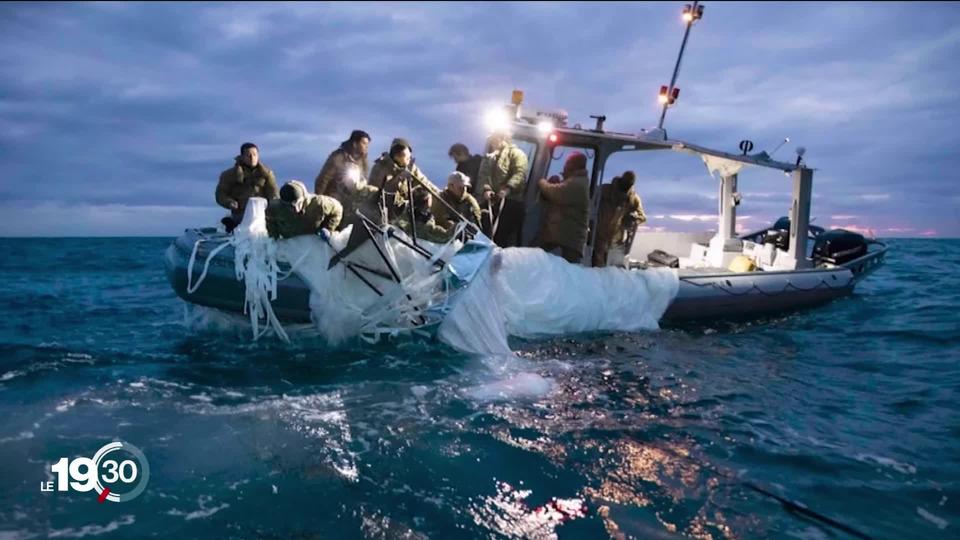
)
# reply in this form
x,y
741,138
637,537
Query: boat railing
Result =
x,y
865,265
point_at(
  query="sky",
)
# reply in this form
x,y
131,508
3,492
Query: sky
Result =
x,y
117,118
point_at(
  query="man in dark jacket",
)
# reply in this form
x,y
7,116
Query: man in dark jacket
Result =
x,y
297,212
466,163
352,154
247,178
567,210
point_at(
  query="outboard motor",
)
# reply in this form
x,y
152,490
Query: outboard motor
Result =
x,y
839,246
779,234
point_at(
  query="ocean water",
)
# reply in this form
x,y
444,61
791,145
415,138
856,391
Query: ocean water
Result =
x,y
851,409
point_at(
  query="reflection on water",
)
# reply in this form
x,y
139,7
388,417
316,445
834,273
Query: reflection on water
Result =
x,y
629,436
507,513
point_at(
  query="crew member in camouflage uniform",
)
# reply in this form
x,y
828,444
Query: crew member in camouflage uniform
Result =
x,y
503,177
620,213
389,175
298,212
566,210
427,228
352,153
455,194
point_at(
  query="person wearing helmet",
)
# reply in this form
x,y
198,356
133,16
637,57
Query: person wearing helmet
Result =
x,y
298,212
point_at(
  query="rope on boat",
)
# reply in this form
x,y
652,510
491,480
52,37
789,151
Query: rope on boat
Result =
x,y
206,265
255,263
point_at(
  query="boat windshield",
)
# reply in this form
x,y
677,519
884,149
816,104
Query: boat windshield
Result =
x,y
530,149
559,154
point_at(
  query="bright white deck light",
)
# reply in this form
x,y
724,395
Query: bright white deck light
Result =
x,y
545,127
497,120
351,176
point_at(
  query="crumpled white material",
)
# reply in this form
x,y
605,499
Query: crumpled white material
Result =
x,y
542,294
522,292
255,261
476,324
527,292
343,306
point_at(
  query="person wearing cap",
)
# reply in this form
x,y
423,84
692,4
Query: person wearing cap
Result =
x,y
466,163
426,225
298,212
248,177
502,180
457,197
351,156
390,172
567,210
621,211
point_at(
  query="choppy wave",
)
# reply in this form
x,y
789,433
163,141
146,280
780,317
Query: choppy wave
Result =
x,y
848,409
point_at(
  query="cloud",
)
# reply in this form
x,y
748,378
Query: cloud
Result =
x,y
694,217
58,219
110,105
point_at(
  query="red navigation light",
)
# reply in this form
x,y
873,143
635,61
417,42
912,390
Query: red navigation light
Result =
x,y
663,94
553,137
674,95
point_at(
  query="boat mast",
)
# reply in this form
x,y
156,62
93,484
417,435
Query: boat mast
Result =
x,y
668,95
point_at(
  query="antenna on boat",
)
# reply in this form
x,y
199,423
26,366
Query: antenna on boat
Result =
x,y
668,95
779,146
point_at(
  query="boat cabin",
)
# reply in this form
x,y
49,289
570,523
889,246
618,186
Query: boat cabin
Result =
x,y
545,138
